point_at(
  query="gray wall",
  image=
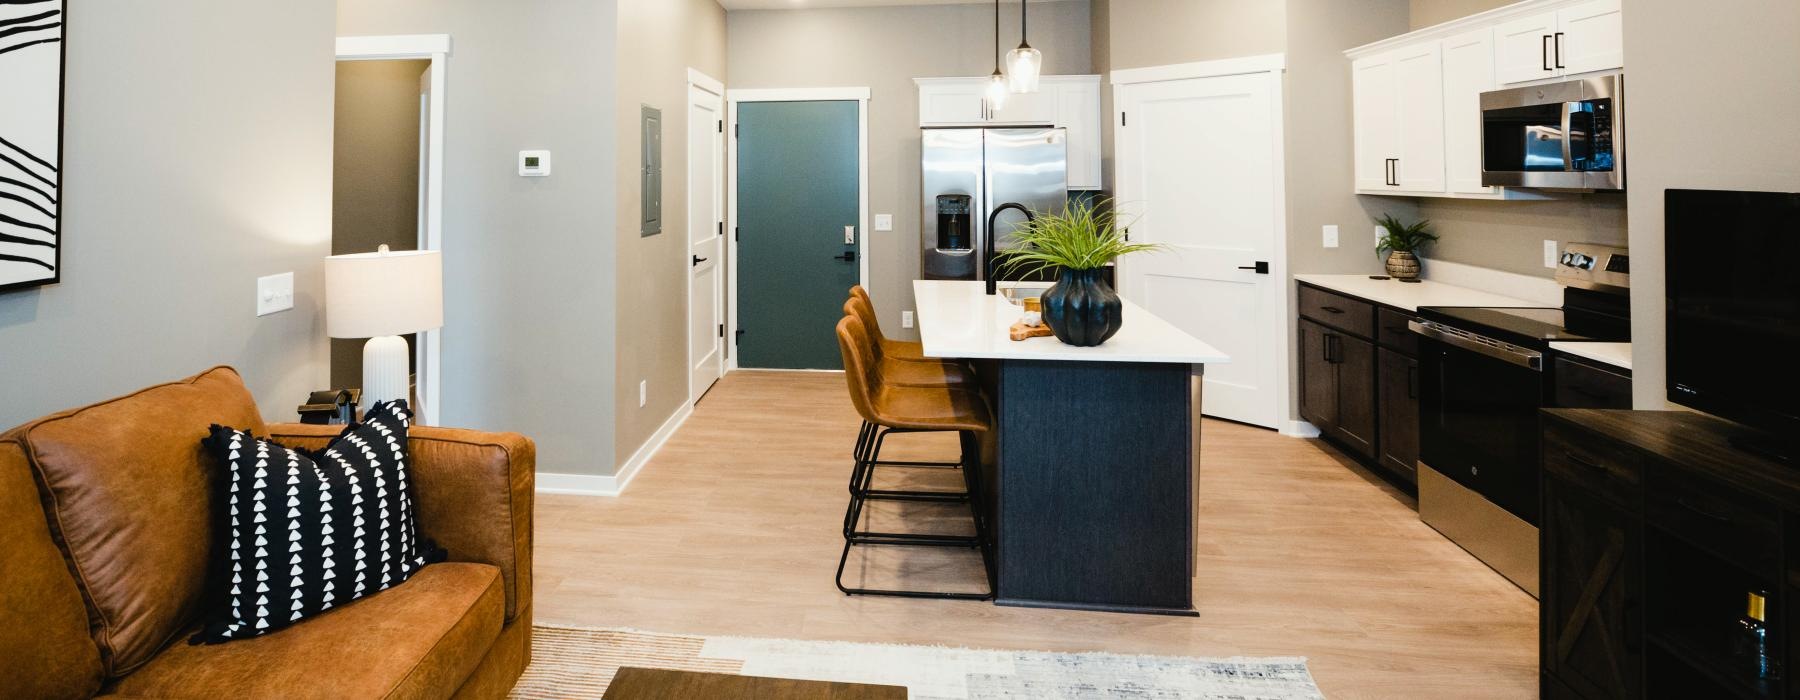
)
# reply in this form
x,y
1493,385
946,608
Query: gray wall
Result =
x,y
529,301
1738,58
884,48
1510,235
375,174
197,156
663,38
1147,33
1426,13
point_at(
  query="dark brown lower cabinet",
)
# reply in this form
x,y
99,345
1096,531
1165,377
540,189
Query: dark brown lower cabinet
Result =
x,y
1591,590
1337,386
1399,420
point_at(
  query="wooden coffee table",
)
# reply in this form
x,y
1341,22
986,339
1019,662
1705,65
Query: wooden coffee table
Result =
x,y
658,684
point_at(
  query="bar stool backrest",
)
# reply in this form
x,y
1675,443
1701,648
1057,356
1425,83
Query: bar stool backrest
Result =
x,y
857,293
865,316
860,368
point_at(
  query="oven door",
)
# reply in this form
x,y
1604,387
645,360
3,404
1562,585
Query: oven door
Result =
x,y
1479,419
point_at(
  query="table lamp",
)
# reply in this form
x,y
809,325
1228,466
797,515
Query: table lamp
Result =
x,y
382,296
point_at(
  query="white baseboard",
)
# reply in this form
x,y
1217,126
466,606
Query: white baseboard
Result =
x,y
1299,429
614,485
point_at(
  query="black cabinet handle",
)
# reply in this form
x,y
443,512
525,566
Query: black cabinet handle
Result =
x,y
1546,52
1559,38
1331,309
1394,179
1702,512
1583,461
698,260
1412,381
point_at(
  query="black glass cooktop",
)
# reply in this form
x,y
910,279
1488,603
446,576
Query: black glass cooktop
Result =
x,y
1531,327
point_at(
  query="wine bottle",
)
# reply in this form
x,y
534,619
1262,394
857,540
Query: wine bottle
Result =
x,y
1752,637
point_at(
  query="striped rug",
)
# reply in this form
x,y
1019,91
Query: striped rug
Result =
x,y
577,662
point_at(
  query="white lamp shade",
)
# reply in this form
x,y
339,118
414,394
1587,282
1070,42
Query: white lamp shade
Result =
x,y
370,295
1023,65
996,91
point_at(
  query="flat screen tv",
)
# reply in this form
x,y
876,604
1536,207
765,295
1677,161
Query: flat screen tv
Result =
x,y
1734,307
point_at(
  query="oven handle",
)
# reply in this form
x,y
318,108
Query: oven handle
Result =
x,y
1505,352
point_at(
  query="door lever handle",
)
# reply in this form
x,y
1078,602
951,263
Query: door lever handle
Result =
x,y
848,256
698,260
1261,267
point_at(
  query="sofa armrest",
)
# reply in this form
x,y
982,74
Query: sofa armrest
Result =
x,y
475,494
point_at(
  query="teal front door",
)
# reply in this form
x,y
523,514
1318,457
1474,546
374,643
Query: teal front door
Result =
x,y
798,191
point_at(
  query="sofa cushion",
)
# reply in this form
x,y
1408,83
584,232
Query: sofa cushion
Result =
x,y
305,532
129,494
50,654
421,638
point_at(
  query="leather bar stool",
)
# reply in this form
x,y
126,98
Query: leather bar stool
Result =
x,y
922,372
897,349
903,409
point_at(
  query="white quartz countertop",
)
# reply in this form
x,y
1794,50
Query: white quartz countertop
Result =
x,y
959,320
1615,354
1410,296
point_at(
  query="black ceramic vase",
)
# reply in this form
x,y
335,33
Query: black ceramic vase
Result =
x,y
1082,309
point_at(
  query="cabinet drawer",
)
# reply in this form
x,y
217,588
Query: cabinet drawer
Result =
x,y
1610,473
1585,386
1352,316
1391,331
1726,522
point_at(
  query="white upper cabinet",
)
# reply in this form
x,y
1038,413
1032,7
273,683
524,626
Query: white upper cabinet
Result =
x,y
1068,101
1417,101
1468,72
1575,38
952,102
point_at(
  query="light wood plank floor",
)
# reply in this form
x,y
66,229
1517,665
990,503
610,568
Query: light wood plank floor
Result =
x,y
733,529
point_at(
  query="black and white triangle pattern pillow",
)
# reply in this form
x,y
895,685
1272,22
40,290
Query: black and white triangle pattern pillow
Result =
x,y
307,531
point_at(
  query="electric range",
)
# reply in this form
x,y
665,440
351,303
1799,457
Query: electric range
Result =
x,y
1483,377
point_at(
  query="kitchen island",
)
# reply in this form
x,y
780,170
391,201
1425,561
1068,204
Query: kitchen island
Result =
x,y
1093,466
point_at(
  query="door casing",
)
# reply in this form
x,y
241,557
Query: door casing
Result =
x,y
732,99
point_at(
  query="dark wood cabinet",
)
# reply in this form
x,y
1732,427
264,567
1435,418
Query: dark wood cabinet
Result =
x,y
1582,385
1399,420
1656,529
1346,390
1591,590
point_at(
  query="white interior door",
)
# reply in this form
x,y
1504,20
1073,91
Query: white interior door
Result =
x,y
706,238
1200,171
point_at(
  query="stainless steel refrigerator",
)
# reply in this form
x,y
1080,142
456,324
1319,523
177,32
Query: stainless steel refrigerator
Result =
x,y
972,176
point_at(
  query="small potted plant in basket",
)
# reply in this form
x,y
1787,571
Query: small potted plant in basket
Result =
x,y
1081,309
1402,243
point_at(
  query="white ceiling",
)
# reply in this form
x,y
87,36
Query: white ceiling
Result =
x,y
809,4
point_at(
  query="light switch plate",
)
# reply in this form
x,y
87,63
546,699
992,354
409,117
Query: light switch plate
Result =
x,y
906,319
274,293
1331,236
643,393
534,164
884,222
1551,252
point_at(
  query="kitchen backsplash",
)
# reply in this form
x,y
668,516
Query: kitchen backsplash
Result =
x,y
1510,235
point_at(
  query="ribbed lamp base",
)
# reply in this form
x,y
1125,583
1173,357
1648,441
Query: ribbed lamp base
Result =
x,y
385,370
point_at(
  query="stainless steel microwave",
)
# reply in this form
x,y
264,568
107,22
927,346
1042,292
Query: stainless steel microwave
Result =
x,y
1567,136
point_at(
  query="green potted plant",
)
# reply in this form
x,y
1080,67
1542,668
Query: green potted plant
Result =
x,y
1081,308
1402,243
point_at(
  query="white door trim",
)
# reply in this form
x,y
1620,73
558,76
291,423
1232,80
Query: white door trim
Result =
x,y
435,48
1266,63
732,99
1271,66
708,84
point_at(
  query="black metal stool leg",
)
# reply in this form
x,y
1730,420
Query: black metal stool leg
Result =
x,y
868,457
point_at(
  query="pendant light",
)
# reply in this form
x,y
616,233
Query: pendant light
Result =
x,y
1024,64
997,85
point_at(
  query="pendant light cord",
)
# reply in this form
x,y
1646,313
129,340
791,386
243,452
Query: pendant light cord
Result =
x,y
996,36
1022,24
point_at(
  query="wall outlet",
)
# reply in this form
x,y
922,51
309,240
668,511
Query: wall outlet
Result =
x,y
1331,236
643,393
884,222
906,319
1551,253
274,293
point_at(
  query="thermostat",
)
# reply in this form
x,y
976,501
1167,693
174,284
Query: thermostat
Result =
x,y
534,163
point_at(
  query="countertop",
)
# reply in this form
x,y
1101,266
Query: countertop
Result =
x,y
1409,296
1615,354
959,320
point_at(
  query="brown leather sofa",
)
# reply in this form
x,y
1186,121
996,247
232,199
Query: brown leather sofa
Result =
x,y
106,539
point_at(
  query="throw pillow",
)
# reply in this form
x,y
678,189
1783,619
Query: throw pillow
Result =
x,y
309,531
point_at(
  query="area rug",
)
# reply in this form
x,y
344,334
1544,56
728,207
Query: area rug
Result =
x,y
578,662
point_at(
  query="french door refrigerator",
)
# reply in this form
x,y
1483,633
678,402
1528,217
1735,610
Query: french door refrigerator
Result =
x,y
971,176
